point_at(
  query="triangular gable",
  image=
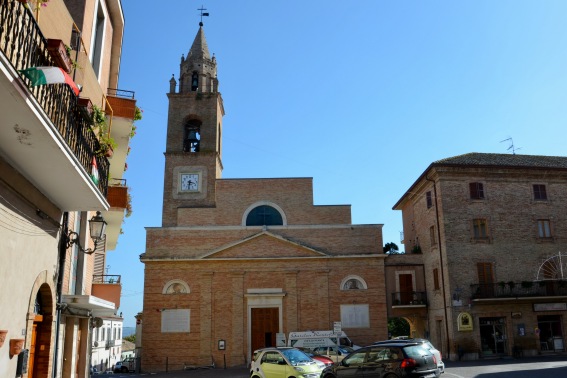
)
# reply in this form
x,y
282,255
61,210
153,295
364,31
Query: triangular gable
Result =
x,y
263,245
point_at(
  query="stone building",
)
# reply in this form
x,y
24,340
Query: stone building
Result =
x,y
55,178
485,271
238,263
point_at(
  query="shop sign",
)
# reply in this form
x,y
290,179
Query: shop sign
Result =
x,y
550,306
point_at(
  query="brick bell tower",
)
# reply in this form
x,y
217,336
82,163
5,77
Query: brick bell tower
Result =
x,y
194,128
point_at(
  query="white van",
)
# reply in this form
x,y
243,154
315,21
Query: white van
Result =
x,y
315,339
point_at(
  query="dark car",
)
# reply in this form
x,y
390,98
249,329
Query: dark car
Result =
x,y
395,360
425,343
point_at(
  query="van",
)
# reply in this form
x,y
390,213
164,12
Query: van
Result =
x,y
315,339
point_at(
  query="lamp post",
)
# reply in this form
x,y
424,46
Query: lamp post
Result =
x,y
97,228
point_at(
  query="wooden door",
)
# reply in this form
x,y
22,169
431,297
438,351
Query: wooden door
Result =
x,y
31,357
406,288
485,279
265,325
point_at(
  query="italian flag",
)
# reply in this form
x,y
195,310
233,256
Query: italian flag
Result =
x,y
94,172
49,75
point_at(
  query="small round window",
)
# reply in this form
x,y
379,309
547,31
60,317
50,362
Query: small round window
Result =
x,y
264,216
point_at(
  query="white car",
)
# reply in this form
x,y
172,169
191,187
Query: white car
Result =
x,y
424,343
283,362
335,353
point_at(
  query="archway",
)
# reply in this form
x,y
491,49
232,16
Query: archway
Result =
x,y
40,322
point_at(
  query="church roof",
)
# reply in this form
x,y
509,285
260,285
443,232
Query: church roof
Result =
x,y
199,48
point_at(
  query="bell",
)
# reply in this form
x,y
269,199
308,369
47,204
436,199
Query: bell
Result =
x,y
192,136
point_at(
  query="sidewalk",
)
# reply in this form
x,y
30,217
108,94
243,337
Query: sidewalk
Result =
x,y
200,373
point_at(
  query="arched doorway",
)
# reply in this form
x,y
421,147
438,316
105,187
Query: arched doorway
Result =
x,y
40,328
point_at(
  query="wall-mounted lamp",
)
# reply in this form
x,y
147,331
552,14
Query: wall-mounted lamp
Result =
x,y
97,227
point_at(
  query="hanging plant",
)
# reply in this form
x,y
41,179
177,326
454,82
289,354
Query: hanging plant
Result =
x,y
107,143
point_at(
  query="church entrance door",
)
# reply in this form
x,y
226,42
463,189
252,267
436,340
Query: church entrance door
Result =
x,y
265,325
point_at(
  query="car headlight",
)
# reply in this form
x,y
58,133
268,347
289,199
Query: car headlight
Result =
x,y
299,369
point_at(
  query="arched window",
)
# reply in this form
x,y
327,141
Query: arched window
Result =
x,y
176,287
192,136
353,283
194,81
264,215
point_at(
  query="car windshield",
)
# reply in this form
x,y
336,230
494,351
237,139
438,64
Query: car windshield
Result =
x,y
296,357
346,349
415,351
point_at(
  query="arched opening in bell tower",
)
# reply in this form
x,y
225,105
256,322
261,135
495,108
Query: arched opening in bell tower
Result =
x,y
192,136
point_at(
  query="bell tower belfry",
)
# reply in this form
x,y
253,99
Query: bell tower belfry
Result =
x,y
194,128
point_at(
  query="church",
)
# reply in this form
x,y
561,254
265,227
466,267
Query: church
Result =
x,y
238,264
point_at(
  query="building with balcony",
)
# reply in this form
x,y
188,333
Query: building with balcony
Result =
x,y
55,179
485,238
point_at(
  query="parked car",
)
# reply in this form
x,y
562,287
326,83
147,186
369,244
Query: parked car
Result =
x,y
119,367
283,362
425,343
394,360
94,371
335,353
318,357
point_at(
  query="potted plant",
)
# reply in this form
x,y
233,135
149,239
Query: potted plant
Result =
x,y
59,53
107,143
416,249
527,284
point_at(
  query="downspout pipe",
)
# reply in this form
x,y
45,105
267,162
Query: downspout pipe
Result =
x,y
59,289
441,262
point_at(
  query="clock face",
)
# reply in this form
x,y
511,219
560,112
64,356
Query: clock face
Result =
x,y
190,182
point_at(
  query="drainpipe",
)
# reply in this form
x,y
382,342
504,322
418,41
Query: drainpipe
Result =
x,y
59,289
441,262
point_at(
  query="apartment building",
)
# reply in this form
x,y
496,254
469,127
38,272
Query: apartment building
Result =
x,y
62,197
485,271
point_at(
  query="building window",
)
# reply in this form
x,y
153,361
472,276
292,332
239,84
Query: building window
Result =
x,y
543,228
480,229
428,200
353,282
540,194
476,190
264,215
355,316
97,41
432,235
436,279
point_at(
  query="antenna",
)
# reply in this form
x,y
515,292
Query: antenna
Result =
x,y
514,149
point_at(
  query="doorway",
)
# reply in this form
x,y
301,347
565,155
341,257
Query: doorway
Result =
x,y
551,334
265,326
493,338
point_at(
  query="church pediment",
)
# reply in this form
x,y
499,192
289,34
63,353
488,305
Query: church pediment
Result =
x,y
263,245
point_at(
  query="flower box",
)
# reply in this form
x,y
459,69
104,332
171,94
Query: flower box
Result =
x,y
58,52
86,106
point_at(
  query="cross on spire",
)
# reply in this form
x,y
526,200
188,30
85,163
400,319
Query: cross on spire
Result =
x,y
206,14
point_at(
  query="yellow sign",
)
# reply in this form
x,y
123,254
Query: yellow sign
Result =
x,y
464,322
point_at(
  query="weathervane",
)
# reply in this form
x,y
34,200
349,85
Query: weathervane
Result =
x,y
206,14
514,149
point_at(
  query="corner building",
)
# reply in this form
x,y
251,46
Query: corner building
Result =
x,y
238,261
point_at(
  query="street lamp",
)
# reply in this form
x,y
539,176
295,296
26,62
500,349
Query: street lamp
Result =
x,y
97,228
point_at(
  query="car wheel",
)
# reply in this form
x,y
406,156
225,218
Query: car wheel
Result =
x,y
124,369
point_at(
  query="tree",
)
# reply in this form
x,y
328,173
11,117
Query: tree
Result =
x,y
391,248
398,327
131,338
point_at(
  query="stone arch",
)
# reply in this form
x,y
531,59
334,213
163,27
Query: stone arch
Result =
x,y
353,281
263,203
176,287
41,321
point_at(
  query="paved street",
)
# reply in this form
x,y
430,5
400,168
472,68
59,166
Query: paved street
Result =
x,y
528,367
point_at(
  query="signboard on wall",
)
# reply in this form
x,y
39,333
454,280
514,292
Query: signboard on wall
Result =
x,y
550,306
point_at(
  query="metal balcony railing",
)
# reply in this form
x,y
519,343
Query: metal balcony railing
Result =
x,y
547,288
409,298
122,93
23,44
106,278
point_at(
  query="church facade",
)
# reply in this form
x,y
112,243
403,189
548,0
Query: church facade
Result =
x,y
239,263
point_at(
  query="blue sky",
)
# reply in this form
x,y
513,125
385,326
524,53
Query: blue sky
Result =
x,y
361,95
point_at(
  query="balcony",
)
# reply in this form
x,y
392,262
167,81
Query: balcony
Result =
x,y
107,287
119,200
519,290
45,136
409,299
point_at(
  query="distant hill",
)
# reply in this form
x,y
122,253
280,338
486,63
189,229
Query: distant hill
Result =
x,y
127,331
